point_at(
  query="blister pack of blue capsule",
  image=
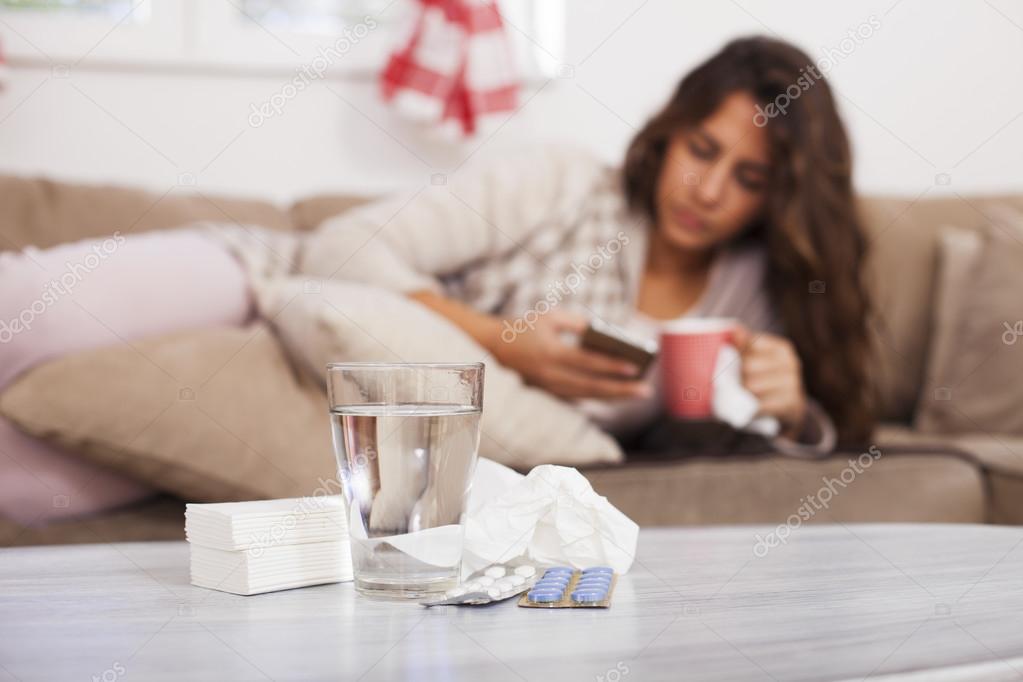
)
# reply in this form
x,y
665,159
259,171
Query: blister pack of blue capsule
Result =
x,y
562,587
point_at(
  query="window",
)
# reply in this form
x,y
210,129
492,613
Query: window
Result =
x,y
112,8
71,32
313,16
246,35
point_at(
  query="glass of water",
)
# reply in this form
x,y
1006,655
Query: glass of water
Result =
x,y
405,438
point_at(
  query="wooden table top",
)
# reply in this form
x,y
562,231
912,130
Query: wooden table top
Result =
x,y
833,602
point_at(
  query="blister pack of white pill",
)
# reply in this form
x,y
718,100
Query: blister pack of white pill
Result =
x,y
494,583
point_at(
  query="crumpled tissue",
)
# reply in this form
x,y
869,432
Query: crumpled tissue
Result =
x,y
550,516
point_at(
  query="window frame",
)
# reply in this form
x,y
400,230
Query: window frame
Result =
x,y
207,35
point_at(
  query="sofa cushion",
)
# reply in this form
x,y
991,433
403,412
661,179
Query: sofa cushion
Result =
x,y
335,321
214,415
41,212
896,486
1000,458
975,369
902,266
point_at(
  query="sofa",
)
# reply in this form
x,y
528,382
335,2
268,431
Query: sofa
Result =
x,y
916,471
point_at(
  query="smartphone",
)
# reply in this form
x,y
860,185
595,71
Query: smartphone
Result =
x,y
603,338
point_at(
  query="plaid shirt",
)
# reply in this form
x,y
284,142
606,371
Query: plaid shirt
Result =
x,y
583,259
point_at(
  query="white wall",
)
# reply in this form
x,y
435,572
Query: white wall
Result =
x,y
937,88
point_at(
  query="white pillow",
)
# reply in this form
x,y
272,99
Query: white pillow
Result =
x,y
335,321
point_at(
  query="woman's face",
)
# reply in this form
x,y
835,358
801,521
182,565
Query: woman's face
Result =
x,y
713,182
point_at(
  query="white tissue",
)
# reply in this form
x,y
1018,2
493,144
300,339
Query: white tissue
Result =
x,y
550,516
441,546
732,403
490,481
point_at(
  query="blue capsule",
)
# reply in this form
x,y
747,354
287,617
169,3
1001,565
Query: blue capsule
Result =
x,y
544,596
598,570
558,570
588,595
596,576
556,576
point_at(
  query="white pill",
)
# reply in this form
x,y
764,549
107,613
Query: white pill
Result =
x,y
526,571
484,580
505,582
473,586
455,592
494,593
516,580
496,572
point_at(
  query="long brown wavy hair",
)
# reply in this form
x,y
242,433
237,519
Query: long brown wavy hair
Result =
x,y
813,237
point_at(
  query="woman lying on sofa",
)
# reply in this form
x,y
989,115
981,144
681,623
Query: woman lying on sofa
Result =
x,y
734,200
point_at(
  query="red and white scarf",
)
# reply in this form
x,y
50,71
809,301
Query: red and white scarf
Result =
x,y
456,66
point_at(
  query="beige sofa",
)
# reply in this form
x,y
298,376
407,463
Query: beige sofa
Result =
x,y
964,477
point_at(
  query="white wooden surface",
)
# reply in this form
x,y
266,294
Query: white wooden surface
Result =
x,y
835,602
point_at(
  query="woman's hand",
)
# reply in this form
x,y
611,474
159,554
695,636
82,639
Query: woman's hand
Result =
x,y
772,372
566,370
540,355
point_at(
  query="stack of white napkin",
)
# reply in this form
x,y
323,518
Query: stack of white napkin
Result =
x,y
267,545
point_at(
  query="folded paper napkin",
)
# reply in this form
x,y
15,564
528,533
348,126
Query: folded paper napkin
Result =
x,y
277,568
267,545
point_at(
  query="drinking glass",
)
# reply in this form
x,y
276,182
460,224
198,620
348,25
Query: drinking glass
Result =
x,y
406,438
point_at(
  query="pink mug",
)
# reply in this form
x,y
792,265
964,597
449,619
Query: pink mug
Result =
x,y
689,353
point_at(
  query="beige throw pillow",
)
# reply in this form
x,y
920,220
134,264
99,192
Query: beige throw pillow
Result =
x,y
330,321
975,369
